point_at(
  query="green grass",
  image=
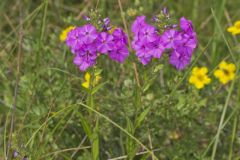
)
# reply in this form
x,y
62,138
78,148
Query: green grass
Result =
x,y
135,111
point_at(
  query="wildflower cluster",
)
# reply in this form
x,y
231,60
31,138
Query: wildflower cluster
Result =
x,y
225,73
149,43
87,43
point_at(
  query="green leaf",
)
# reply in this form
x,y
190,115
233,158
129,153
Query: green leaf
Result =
x,y
95,142
148,84
96,88
131,145
86,126
141,117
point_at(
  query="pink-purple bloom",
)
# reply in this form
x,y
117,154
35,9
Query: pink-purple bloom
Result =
x,y
148,43
105,42
86,42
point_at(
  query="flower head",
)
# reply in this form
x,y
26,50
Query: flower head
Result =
x,y
199,77
88,33
148,33
105,42
169,37
186,25
74,39
180,58
235,29
87,77
64,33
226,72
119,54
138,24
119,51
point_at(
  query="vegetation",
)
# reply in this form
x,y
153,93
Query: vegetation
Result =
x,y
49,109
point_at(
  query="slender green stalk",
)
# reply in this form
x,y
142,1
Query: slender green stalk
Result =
x,y
94,137
220,127
224,124
119,127
233,137
44,19
219,6
50,118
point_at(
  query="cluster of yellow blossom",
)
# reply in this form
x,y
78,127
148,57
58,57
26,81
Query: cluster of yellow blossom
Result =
x,y
87,77
235,29
224,73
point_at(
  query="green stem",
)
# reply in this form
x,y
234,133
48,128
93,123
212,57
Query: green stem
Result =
x,y
233,136
94,137
220,127
119,127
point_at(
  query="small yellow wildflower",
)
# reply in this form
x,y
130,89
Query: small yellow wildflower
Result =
x,y
199,77
226,72
64,33
235,29
87,77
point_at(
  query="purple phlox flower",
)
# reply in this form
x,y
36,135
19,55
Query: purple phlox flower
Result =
x,y
84,62
86,57
119,54
88,33
144,60
134,43
169,36
188,43
105,42
74,39
179,58
148,33
119,50
143,52
156,48
186,25
120,38
138,24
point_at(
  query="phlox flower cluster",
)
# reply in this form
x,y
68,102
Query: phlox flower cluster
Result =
x,y
87,43
148,43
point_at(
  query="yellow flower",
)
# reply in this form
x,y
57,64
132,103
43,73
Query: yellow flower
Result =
x,y
235,29
87,77
64,33
199,77
226,72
